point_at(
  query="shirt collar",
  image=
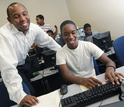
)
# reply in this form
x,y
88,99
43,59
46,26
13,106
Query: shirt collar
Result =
x,y
14,30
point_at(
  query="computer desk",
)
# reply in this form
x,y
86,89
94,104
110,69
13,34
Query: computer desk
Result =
x,y
75,88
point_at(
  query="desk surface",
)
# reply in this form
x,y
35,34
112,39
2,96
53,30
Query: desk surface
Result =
x,y
74,89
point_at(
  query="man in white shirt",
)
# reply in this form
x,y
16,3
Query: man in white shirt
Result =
x,y
16,37
75,59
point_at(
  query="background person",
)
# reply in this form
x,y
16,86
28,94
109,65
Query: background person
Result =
x,y
53,35
42,24
89,33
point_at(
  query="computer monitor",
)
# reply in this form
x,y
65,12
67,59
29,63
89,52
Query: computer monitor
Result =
x,y
80,33
103,41
49,57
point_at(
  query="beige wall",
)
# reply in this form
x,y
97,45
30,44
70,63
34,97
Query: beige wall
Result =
x,y
54,11
103,15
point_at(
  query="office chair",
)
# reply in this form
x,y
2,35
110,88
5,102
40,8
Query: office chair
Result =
x,y
4,96
96,67
119,49
60,41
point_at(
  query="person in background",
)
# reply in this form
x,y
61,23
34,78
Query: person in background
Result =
x,y
89,33
75,59
53,35
16,37
42,24
45,27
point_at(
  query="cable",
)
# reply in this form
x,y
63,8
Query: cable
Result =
x,y
60,100
101,102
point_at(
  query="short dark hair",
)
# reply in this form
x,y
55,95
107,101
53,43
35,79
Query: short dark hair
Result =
x,y
40,16
7,10
50,31
66,22
87,25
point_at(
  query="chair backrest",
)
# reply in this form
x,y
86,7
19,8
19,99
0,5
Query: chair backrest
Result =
x,y
96,67
4,96
119,49
60,41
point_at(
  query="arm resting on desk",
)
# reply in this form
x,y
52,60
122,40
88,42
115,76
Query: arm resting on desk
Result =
x,y
88,82
110,74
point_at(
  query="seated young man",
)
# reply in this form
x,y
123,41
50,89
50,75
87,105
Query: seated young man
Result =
x,y
50,32
88,33
75,59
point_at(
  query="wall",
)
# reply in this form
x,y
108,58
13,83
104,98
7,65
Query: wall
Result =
x,y
54,11
103,15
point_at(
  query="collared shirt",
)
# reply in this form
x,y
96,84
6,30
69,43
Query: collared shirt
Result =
x,y
14,46
47,27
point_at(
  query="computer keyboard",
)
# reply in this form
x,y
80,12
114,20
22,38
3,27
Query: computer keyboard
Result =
x,y
91,96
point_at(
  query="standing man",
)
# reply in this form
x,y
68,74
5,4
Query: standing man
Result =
x,y
42,24
16,37
45,27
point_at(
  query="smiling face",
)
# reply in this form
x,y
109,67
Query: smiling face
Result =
x,y
69,34
19,17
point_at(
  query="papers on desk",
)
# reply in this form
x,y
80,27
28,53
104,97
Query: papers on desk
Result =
x,y
49,100
83,88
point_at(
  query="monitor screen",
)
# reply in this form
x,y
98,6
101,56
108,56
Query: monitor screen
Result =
x,y
103,41
80,33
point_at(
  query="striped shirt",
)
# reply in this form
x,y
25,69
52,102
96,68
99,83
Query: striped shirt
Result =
x,y
47,27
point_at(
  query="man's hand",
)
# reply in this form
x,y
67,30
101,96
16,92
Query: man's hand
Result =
x,y
29,100
90,82
110,74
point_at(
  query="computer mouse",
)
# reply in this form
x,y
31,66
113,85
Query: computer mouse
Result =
x,y
63,89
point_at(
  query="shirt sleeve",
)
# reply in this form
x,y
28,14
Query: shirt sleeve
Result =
x,y
9,73
95,50
60,57
44,40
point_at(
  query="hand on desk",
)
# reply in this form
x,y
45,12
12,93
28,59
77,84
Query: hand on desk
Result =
x,y
110,75
29,100
91,82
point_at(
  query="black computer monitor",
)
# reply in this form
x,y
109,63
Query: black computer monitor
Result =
x,y
103,41
49,57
